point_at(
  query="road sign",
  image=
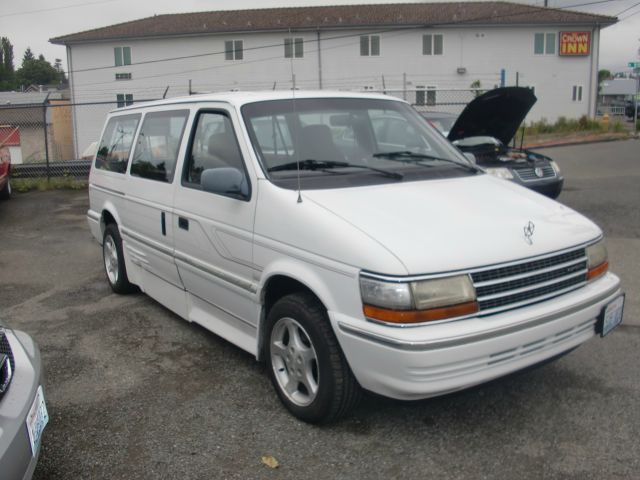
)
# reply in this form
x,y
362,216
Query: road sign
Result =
x,y
634,64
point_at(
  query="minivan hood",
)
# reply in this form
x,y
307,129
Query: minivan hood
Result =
x,y
497,113
455,224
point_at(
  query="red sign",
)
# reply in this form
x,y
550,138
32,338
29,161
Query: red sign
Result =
x,y
9,136
575,43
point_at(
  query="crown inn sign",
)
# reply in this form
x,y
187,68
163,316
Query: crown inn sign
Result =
x,y
575,43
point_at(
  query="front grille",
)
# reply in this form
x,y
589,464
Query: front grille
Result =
x,y
5,349
528,174
502,288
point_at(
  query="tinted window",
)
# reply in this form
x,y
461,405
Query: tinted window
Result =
x,y
214,145
158,143
115,145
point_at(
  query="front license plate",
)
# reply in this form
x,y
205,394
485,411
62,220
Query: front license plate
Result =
x,y
611,315
37,419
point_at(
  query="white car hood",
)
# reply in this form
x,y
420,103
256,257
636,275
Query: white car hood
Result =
x,y
454,224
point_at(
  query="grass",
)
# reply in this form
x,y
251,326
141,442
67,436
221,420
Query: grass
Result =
x,y
564,125
41,184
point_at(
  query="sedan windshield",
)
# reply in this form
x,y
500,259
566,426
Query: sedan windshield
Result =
x,y
323,140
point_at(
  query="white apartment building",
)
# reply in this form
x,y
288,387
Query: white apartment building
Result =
x,y
423,52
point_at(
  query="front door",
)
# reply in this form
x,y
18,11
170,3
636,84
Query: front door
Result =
x,y
214,231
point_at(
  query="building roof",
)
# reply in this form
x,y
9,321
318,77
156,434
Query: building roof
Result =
x,y
27,98
619,86
337,16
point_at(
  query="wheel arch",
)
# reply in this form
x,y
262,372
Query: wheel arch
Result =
x,y
279,282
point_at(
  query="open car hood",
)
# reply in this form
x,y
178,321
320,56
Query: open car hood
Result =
x,y
497,113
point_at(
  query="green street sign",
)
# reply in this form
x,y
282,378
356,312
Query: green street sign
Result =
x,y
634,64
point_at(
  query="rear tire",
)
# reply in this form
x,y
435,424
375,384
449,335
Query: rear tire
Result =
x,y
113,260
305,362
5,193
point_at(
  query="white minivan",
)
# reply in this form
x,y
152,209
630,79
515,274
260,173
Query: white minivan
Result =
x,y
345,242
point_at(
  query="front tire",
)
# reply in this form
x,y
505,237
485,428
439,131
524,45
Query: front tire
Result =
x,y
113,260
305,362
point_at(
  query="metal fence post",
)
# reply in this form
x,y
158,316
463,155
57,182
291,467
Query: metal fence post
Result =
x,y
46,134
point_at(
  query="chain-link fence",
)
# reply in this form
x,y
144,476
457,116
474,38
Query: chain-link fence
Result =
x,y
52,139
59,138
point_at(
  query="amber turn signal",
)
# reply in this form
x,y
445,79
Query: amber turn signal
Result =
x,y
418,316
598,270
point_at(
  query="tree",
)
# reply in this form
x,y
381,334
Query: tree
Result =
x,y
7,74
602,76
37,71
28,55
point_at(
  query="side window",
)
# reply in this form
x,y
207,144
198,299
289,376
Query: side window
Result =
x,y
115,145
214,146
158,143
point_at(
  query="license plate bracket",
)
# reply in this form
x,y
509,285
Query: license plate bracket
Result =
x,y
37,419
611,316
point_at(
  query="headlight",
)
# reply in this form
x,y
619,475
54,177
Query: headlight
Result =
x,y
500,172
555,167
597,260
415,302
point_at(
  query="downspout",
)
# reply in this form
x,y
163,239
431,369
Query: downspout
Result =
x,y
319,60
593,78
73,101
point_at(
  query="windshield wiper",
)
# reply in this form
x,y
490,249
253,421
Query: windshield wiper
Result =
x,y
312,164
412,157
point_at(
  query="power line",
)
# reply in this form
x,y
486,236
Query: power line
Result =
x,y
15,14
372,32
627,9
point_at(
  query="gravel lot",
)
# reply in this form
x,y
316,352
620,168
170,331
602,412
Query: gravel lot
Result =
x,y
136,392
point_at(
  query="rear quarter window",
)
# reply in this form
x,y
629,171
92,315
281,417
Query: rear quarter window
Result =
x,y
115,144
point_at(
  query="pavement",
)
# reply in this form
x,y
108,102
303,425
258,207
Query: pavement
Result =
x,y
134,392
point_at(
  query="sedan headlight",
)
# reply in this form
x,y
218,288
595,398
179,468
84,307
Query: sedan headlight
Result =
x,y
415,302
500,172
555,167
597,260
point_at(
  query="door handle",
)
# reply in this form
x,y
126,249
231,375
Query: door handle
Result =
x,y
183,223
163,224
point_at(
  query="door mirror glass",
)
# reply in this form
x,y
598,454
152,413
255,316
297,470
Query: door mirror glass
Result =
x,y
224,181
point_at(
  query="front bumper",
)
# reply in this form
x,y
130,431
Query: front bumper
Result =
x,y
430,360
16,459
549,187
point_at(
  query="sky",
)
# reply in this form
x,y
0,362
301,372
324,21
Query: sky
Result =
x,y
31,23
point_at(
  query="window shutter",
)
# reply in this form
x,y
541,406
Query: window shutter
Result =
x,y
375,44
364,46
126,55
299,48
228,50
239,54
117,52
426,45
437,44
550,46
287,48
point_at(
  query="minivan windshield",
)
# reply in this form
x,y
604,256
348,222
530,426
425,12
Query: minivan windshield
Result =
x,y
333,142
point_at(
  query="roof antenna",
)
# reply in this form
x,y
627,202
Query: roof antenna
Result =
x,y
297,124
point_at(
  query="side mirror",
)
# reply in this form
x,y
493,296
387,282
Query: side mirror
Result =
x,y
224,181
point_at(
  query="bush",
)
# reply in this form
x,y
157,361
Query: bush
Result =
x,y
41,184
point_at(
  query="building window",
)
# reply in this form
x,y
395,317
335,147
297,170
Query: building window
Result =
x,y
122,56
233,50
576,93
432,44
124,99
123,76
544,44
293,47
370,45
